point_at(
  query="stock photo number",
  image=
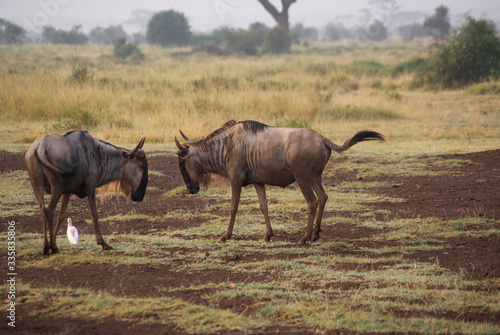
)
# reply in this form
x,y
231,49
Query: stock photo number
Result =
x,y
11,274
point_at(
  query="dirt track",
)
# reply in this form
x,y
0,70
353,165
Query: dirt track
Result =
x,y
469,190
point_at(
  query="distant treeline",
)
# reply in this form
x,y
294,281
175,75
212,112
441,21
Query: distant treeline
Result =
x,y
436,25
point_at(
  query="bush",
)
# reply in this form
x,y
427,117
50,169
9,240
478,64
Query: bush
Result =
x,y
54,36
275,41
484,88
471,55
80,73
237,41
124,49
409,66
366,68
293,123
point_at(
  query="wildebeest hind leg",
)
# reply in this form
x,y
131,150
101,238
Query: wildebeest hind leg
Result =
x,y
322,198
62,211
261,193
312,204
56,195
93,213
43,215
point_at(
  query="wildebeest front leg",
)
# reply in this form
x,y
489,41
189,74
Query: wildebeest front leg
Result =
x,y
312,204
261,193
93,213
235,199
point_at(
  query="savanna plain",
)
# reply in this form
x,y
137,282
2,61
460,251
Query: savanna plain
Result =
x,y
410,239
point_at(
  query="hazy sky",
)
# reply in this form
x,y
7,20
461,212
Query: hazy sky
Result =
x,y
204,15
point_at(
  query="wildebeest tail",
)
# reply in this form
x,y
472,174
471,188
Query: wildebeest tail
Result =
x,y
364,135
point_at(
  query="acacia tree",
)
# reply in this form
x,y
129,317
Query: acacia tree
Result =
x,y
281,18
168,28
438,25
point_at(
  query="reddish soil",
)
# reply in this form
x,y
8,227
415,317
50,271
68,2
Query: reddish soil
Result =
x,y
471,190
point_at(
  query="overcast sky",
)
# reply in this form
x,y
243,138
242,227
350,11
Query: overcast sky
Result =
x,y
206,15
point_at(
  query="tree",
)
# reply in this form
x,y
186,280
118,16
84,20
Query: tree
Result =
x,y
257,31
300,33
107,35
411,31
275,41
74,36
281,18
168,28
236,40
438,25
335,32
472,54
376,31
13,34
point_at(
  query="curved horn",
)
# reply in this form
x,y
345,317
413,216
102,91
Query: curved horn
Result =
x,y
139,146
180,146
185,137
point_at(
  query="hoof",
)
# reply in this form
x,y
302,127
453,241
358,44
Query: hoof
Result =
x,y
267,238
315,237
222,239
46,251
302,241
55,250
106,246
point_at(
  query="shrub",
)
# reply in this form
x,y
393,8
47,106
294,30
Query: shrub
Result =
x,y
293,123
484,88
237,41
124,49
54,36
471,55
367,68
275,41
353,112
376,84
80,73
410,66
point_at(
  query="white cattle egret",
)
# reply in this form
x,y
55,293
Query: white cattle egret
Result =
x,y
72,232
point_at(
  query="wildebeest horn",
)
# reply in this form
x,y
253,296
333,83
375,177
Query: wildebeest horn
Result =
x,y
139,146
185,137
180,146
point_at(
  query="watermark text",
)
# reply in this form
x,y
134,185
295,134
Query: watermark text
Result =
x,y
11,274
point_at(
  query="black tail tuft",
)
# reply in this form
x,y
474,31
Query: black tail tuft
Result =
x,y
366,135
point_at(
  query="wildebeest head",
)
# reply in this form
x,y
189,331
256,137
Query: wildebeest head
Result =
x,y
191,173
135,178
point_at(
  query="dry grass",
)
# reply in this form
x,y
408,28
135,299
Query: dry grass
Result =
x,y
332,91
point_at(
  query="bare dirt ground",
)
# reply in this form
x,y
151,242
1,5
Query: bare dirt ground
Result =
x,y
464,191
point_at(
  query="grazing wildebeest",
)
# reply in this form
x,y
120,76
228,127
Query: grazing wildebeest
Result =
x,y
77,163
250,152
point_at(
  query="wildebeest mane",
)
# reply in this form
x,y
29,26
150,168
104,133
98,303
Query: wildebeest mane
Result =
x,y
84,133
254,126
222,129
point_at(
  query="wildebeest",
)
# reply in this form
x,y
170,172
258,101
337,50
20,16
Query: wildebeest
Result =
x,y
251,152
77,163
